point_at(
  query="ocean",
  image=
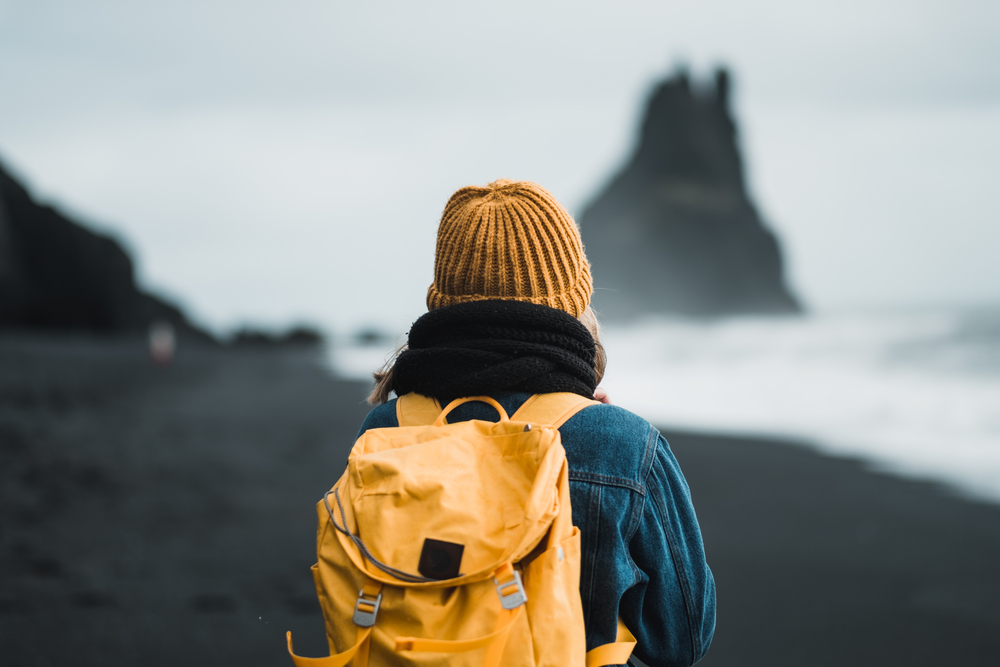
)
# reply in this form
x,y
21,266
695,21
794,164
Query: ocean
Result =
x,y
913,393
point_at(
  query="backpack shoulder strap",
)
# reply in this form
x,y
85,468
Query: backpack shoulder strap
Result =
x,y
615,653
416,410
551,409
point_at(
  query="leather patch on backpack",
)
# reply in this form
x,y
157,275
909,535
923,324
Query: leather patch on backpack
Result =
x,y
440,560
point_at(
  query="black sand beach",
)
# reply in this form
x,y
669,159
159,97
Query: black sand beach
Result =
x,y
164,516
820,562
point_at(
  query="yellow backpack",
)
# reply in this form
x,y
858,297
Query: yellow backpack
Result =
x,y
453,544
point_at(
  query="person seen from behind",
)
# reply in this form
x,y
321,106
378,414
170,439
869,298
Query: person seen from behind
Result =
x,y
508,317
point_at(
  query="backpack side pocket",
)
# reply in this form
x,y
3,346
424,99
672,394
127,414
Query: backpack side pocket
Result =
x,y
552,583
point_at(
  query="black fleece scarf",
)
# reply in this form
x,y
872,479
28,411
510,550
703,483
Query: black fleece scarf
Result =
x,y
479,347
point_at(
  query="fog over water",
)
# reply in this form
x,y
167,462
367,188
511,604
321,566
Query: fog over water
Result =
x,y
281,161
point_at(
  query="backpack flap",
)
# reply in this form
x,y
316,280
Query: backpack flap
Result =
x,y
488,488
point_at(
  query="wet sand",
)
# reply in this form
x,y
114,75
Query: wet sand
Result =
x,y
820,562
164,516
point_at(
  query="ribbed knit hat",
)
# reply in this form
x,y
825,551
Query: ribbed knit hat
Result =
x,y
509,240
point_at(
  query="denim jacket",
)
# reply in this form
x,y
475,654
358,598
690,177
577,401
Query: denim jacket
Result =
x,y
643,557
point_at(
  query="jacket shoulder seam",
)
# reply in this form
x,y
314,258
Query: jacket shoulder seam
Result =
x,y
648,456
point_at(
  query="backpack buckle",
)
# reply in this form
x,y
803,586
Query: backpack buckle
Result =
x,y
366,609
511,591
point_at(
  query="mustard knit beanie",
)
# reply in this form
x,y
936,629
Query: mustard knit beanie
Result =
x,y
509,240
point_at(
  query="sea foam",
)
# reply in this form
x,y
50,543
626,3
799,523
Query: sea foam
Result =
x,y
916,394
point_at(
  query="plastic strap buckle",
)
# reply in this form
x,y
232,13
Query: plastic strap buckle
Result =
x,y
366,609
511,592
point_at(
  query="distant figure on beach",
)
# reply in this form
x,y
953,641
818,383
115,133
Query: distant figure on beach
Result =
x,y
509,322
162,343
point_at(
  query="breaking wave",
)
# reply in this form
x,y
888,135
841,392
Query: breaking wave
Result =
x,y
916,394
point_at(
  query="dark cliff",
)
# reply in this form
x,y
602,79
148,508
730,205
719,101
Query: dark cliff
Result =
x,y
57,275
675,231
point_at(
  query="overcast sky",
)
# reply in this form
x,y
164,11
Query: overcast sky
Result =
x,y
281,161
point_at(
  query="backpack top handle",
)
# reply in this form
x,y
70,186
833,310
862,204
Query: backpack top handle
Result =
x,y
440,421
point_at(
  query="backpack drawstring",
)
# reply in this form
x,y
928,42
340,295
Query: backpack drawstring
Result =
x,y
388,569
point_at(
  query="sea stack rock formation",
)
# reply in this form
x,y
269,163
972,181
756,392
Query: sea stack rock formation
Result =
x,y
675,230
57,275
